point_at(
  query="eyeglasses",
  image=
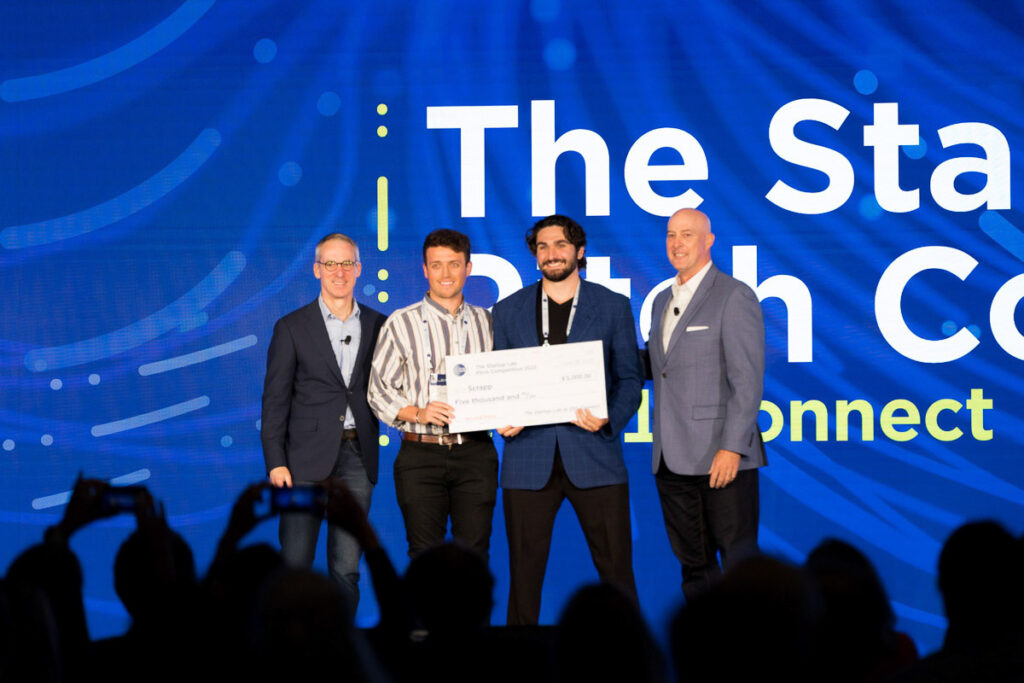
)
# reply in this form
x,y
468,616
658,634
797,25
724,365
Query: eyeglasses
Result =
x,y
331,266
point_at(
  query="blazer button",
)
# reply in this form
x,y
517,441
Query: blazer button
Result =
x,y
664,374
341,418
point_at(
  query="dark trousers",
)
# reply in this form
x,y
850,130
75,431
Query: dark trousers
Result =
x,y
703,523
298,531
434,482
603,513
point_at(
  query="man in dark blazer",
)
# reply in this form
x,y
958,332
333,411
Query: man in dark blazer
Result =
x,y
316,423
582,460
706,349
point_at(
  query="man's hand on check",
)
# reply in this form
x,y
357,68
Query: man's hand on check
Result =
x,y
586,420
437,413
509,432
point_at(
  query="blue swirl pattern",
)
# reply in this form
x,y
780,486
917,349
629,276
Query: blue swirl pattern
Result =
x,y
139,293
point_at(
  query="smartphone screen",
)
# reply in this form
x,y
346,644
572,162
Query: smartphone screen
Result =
x,y
306,498
121,498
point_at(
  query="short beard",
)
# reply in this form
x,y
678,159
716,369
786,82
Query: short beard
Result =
x,y
560,275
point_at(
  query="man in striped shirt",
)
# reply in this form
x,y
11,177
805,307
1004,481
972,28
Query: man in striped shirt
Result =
x,y
437,474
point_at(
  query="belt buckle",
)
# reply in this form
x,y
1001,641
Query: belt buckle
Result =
x,y
450,439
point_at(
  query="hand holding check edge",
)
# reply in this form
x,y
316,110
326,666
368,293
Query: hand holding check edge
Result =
x,y
584,420
435,413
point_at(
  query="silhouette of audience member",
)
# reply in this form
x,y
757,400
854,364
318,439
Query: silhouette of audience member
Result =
x,y
161,597
303,631
854,637
980,578
138,580
264,621
256,619
52,569
233,586
602,636
754,624
451,590
229,601
7,635
433,622
31,638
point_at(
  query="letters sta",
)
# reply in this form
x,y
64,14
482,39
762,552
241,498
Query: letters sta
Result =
x,y
886,135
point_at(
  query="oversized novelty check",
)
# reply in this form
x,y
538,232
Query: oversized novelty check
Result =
x,y
522,387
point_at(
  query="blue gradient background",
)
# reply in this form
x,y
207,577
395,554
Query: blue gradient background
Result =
x,y
166,167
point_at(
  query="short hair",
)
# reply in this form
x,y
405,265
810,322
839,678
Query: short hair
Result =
x,y
453,239
572,230
335,236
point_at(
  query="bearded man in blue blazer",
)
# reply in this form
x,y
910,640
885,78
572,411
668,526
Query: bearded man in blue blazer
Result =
x,y
582,460
316,423
706,348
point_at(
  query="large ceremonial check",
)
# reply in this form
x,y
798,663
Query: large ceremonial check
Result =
x,y
522,387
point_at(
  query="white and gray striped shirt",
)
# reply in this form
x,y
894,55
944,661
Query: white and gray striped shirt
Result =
x,y
413,339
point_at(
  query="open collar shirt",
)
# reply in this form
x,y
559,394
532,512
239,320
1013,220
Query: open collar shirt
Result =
x,y
344,353
681,295
400,374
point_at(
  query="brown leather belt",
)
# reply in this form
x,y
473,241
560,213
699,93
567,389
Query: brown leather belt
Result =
x,y
349,435
446,439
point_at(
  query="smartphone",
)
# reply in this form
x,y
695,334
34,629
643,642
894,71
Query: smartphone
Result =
x,y
121,498
304,498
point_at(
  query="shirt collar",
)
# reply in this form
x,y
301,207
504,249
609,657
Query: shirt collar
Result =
x,y
326,312
693,283
441,310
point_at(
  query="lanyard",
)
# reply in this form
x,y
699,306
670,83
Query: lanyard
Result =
x,y
545,325
426,338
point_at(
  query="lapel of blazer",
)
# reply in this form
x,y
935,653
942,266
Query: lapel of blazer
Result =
x,y
365,344
321,341
526,330
586,311
654,345
698,299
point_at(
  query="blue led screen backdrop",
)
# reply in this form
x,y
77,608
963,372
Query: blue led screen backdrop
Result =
x,y
167,166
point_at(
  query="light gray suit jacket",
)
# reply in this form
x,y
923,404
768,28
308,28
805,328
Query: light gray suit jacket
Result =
x,y
708,383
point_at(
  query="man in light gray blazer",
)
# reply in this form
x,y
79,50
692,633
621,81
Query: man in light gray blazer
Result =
x,y
706,353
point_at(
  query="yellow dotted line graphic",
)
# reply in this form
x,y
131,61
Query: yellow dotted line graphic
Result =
x,y
382,215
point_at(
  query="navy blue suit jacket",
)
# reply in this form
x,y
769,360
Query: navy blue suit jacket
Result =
x,y
305,397
590,458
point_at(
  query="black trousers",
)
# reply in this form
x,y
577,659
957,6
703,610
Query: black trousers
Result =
x,y
703,523
603,513
434,482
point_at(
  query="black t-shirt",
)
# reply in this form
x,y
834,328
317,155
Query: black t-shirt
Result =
x,y
558,320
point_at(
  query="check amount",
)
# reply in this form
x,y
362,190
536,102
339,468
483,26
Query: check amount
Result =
x,y
523,387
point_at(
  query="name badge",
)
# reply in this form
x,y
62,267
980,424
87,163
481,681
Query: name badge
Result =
x,y
438,388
